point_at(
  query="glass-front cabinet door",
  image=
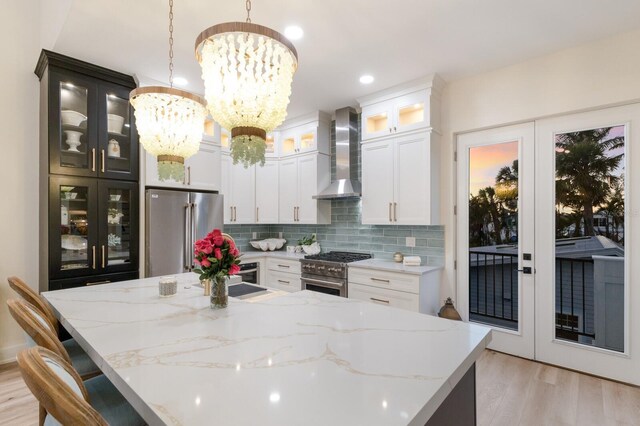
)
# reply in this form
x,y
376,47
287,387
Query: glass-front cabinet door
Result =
x,y
118,219
72,227
118,146
73,127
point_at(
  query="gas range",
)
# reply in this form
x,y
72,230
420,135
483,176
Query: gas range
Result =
x,y
327,272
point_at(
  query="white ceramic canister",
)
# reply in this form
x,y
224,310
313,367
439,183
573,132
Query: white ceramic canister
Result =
x,y
113,150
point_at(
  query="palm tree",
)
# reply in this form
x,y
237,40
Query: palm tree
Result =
x,y
584,170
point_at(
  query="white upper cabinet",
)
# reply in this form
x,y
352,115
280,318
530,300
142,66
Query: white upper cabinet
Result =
x,y
409,107
267,192
400,180
239,190
306,134
301,178
200,170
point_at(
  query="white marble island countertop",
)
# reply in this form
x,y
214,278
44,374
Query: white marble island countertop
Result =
x,y
301,358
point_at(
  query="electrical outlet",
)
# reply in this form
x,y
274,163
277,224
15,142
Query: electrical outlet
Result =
x,y
314,236
254,235
280,235
411,242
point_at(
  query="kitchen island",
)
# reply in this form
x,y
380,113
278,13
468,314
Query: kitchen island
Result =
x,y
300,358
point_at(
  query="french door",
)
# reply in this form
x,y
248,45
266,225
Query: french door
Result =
x,y
496,234
548,229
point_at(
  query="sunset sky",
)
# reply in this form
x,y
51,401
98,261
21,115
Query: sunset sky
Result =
x,y
486,161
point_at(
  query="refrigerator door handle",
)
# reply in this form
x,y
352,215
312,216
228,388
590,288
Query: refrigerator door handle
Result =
x,y
187,238
194,207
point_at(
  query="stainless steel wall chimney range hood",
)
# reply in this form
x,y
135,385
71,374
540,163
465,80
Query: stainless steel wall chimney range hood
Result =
x,y
346,184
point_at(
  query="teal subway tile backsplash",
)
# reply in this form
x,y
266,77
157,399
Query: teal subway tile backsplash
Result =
x,y
347,233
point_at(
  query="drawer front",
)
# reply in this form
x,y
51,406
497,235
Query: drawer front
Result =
x,y
384,279
381,296
91,280
283,281
291,266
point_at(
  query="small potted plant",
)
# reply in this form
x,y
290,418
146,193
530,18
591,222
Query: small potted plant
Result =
x,y
217,258
309,244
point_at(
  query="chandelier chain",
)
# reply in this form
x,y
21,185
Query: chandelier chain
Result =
x,y
248,5
171,43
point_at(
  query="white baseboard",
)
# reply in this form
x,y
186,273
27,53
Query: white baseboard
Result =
x,y
8,353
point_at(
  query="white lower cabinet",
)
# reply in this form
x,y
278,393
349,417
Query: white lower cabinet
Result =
x,y
201,171
400,176
283,274
393,298
413,292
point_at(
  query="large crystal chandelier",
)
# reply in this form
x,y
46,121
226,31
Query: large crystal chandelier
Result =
x,y
170,121
247,71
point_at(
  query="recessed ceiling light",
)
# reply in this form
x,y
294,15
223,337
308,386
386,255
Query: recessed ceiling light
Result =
x,y
180,81
293,32
366,79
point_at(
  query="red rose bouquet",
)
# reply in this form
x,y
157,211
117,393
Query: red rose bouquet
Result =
x,y
217,258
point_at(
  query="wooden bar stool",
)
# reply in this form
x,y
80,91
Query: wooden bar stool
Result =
x,y
40,331
30,295
65,399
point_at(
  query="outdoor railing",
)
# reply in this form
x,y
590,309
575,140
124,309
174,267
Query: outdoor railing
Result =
x,y
574,295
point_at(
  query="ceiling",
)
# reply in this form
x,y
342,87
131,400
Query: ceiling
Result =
x,y
393,40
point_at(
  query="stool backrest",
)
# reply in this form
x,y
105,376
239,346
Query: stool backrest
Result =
x,y
58,388
31,296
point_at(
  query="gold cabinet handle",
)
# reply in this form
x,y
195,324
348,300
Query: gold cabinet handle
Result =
x,y
235,213
284,266
189,174
395,212
93,255
284,282
93,159
97,282
379,300
102,161
257,214
379,280
394,129
231,213
390,217
103,257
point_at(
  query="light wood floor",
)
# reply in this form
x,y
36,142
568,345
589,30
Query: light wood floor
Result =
x,y
510,391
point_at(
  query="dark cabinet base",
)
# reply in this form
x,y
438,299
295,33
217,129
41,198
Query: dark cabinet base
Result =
x,y
93,280
459,408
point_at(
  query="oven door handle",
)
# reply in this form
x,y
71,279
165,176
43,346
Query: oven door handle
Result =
x,y
248,271
315,281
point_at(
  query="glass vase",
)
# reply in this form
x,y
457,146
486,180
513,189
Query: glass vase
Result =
x,y
219,293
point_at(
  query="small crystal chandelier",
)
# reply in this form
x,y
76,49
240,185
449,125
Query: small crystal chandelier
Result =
x,y
247,71
170,121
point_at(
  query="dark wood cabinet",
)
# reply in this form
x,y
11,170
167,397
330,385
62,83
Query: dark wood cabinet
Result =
x,y
89,166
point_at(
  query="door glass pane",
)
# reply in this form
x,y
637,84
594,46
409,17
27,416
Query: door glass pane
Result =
x,y
74,227
118,225
73,120
307,141
377,123
118,155
493,234
590,201
288,145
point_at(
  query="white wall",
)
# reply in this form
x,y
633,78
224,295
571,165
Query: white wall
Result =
x,y
19,158
589,76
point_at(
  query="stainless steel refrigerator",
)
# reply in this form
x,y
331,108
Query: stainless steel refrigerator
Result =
x,y
174,221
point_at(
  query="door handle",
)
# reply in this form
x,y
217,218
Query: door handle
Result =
x,y
93,159
379,280
103,257
189,174
394,129
395,212
230,213
526,270
102,161
187,228
235,213
93,255
284,282
257,214
390,217
97,282
379,300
